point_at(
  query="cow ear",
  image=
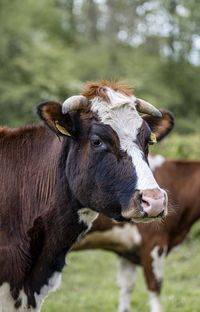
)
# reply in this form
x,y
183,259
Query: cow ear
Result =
x,y
51,113
160,126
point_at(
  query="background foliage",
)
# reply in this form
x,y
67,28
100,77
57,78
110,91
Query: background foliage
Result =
x,y
49,48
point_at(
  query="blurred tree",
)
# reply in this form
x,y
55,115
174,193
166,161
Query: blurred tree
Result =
x,y
50,47
92,15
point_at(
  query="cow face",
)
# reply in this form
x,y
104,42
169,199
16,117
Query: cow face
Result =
x,y
107,146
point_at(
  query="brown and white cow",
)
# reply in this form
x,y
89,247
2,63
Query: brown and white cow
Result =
x,y
148,245
89,156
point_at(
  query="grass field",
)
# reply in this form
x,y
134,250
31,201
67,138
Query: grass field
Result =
x,y
89,285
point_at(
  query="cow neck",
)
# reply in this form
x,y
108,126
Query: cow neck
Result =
x,y
61,229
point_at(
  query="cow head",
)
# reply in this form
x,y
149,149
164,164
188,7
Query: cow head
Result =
x,y
106,164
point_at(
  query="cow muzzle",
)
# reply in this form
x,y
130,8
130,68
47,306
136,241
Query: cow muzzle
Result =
x,y
146,205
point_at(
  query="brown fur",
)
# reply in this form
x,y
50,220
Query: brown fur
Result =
x,y
94,89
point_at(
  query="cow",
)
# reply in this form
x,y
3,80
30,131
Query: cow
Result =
x,y
148,245
87,156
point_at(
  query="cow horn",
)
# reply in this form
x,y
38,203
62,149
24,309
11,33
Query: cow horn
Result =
x,y
74,103
147,108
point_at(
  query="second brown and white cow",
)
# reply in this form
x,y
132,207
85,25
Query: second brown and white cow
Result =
x,y
148,245
89,156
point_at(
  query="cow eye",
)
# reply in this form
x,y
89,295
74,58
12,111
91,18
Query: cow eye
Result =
x,y
96,141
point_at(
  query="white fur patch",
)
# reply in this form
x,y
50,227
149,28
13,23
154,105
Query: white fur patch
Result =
x,y
87,216
53,284
6,300
120,239
136,235
158,262
154,302
126,278
156,161
120,113
129,234
7,303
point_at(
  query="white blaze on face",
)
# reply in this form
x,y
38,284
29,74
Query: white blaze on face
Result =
x,y
120,113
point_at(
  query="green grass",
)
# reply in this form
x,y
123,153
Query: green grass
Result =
x,y
89,282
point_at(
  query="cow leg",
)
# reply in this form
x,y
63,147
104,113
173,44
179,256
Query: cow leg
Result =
x,y
126,280
153,266
154,302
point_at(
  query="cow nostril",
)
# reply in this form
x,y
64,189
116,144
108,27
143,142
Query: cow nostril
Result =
x,y
145,202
